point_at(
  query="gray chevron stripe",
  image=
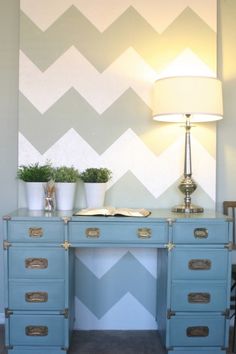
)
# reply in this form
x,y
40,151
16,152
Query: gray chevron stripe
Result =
x,y
137,195
100,295
130,29
129,111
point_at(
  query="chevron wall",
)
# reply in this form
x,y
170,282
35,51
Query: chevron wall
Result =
x,y
86,74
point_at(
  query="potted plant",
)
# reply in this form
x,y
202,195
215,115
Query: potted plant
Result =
x,y
65,186
35,176
95,180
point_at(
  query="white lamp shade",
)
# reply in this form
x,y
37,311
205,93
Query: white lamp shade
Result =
x,y
200,97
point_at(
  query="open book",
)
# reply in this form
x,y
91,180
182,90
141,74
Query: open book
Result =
x,y
110,211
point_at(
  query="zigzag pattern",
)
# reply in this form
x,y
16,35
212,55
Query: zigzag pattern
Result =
x,y
102,13
130,30
72,110
137,195
114,285
126,314
100,260
73,70
71,149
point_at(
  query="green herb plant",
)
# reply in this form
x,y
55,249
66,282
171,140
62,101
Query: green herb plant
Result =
x,y
35,172
65,174
96,175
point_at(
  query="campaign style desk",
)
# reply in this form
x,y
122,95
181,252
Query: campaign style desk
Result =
x,y
194,271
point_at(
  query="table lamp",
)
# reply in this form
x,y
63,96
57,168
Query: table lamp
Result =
x,y
187,99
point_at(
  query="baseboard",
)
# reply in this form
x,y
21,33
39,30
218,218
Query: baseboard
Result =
x,y
2,318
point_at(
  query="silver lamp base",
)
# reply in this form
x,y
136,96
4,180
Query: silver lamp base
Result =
x,y
182,208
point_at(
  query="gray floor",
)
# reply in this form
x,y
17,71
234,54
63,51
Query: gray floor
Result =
x,y
110,342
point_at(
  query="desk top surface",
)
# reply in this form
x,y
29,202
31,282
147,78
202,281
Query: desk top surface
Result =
x,y
156,215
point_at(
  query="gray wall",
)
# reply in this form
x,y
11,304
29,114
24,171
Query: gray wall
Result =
x,y
226,137
9,48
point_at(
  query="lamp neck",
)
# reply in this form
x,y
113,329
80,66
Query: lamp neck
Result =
x,y
187,154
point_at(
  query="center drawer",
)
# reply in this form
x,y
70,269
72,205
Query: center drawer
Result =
x,y
36,263
113,232
43,330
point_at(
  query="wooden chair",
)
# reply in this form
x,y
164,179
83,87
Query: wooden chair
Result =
x,y
229,208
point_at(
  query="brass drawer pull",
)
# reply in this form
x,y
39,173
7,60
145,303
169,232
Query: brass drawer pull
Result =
x,y
93,232
36,263
36,296
199,264
197,331
35,232
144,232
199,298
36,331
200,232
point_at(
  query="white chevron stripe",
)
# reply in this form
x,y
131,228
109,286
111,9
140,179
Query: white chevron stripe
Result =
x,y
102,13
187,63
99,261
72,69
156,173
126,314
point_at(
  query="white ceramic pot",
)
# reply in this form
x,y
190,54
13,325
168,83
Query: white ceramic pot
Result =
x,y
95,194
65,195
35,195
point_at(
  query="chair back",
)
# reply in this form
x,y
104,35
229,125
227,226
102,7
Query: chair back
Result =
x,y
229,208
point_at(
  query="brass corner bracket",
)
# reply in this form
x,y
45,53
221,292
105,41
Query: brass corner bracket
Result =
x,y
66,245
170,246
66,219
6,245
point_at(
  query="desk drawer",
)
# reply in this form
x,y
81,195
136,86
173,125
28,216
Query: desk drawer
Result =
x,y
199,263
197,331
35,231
113,232
201,233
43,330
37,295
198,296
36,263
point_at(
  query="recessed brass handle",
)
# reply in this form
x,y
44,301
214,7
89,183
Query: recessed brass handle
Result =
x,y
197,331
36,331
144,232
199,298
199,264
93,232
36,296
35,232
36,263
200,232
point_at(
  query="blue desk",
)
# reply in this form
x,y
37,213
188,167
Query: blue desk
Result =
x,y
194,276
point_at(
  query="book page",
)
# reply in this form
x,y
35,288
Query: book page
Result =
x,y
132,212
110,211
95,211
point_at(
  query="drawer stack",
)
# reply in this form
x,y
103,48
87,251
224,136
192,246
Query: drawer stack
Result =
x,y
36,315
199,285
